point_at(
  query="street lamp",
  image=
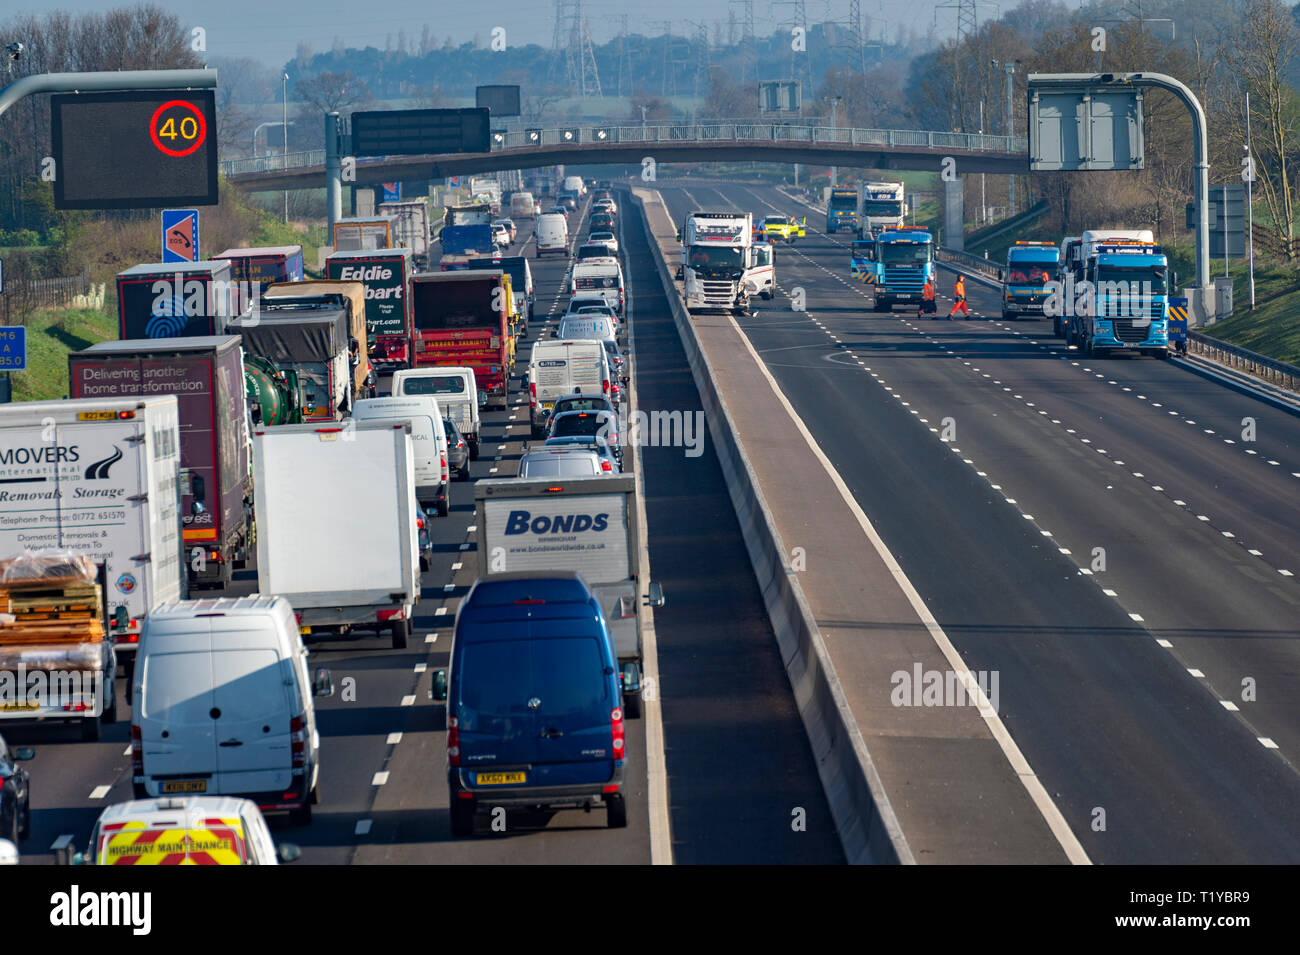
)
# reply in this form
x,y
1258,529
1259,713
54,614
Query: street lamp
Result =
x,y
835,101
1010,69
284,102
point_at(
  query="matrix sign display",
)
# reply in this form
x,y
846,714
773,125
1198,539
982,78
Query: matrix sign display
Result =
x,y
500,101
418,132
134,150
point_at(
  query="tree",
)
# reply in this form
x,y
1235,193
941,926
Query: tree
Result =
x,y
332,92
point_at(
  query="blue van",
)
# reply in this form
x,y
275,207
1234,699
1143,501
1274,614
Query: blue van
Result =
x,y
534,700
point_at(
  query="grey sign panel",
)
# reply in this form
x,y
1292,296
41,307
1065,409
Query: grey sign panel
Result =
x,y
779,96
500,101
416,132
1087,129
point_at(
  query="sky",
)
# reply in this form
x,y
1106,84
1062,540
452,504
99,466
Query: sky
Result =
x,y
271,31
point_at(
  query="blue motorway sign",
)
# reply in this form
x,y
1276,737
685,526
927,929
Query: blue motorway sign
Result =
x,y
13,348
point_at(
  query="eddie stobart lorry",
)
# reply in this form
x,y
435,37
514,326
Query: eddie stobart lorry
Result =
x,y
718,261
1125,304
902,261
1030,267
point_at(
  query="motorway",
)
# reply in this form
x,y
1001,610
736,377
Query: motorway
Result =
x,y
1102,534
738,765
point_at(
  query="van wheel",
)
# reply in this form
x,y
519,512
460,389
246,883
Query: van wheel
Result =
x,y
90,729
315,794
462,817
300,816
617,808
399,629
444,507
110,710
632,706
138,791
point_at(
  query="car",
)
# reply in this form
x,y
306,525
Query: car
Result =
x,y
603,221
595,250
569,202
607,239
558,211
457,451
605,184
184,830
534,701
605,205
607,451
577,402
510,227
500,236
584,300
586,424
426,539
785,228
15,793
563,462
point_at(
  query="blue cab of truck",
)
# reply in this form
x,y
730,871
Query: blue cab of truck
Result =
x,y
1130,312
904,262
534,701
1030,266
861,256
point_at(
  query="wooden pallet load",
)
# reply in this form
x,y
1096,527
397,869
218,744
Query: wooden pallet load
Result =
x,y
52,619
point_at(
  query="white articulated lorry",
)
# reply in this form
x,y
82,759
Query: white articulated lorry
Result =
x,y
336,525
100,477
880,207
583,524
719,271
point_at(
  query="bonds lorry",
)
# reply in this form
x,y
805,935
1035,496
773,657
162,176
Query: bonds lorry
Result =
x,y
881,208
462,319
373,232
1128,284
412,219
57,661
254,269
718,261
100,476
903,263
206,374
467,230
386,275
336,525
842,209
1030,267
588,525
171,300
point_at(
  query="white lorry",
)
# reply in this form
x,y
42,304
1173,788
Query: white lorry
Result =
x,y
100,477
360,572
364,234
718,261
584,524
880,207
412,222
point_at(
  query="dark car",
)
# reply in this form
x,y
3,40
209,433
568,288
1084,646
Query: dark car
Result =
x,y
15,794
426,540
457,451
534,701
603,222
576,402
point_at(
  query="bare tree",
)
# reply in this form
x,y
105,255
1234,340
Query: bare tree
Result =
x,y
331,92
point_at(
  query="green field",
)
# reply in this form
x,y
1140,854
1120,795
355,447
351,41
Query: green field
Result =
x,y
52,334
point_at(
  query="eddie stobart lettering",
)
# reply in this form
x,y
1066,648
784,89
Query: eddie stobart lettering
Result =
x,y
522,522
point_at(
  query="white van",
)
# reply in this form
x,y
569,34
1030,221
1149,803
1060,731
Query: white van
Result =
x,y
552,234
574,184
222,704
456,390
564,367
428,437
522,206
181,830
603,276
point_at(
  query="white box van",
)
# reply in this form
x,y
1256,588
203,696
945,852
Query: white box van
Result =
x,y
603,276
456,391
522,206
564,367
552,234
428,437
222,704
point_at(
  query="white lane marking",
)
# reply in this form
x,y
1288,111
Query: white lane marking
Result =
x,y
457,566
1267,743
1164,643
421,667
440,611
408,700
61,842
1286,573
1196,673
1051,813
394,738
379,778
1136,617
363,827
99,792
1108,592
1229,705
430,638
127,751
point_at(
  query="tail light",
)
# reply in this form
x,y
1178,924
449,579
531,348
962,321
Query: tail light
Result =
x,y
532,394
419,523
604,386
137,751
606,466
298,742
453,741
383,616
616,730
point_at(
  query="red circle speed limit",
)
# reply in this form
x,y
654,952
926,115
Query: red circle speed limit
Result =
x,y
176,134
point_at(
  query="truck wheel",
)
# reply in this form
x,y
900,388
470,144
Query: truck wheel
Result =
x,y
399,629
138,791
444,507
617,808
90,729
462,817
473,449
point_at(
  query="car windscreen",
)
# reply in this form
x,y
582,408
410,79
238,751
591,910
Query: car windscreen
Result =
x,y
584,424
434,385
510,682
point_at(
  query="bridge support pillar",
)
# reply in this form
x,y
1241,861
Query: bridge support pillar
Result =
x,y
954,209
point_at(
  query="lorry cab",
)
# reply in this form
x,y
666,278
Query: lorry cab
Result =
x,y
534,700
904,261
457,395
428,438
223,704
1130,281
1030,267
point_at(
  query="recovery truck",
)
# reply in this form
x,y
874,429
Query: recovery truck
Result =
x,y
842,209
881,208
718,261
462,318
903,262
1129,311
207,376
584,524
1030,267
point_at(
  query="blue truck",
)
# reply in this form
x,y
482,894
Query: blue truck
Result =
x,y
1129,284
1030,267
902,263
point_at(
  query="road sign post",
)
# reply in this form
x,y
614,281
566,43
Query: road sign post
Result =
x,y
180,235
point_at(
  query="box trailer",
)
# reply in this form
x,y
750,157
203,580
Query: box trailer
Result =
x,y
254,269
176,300
386,275
412,218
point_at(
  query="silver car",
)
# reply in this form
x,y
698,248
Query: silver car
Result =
x,y
563,462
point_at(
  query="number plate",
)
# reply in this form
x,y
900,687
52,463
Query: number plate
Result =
x,y
499,779
304,630
15,707
903,295
186,786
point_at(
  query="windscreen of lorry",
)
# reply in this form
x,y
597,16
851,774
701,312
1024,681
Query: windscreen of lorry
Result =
x,y
441,306
844,202
905,253
498,679
719,262
1028,273
434,385
882,207
1136,280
